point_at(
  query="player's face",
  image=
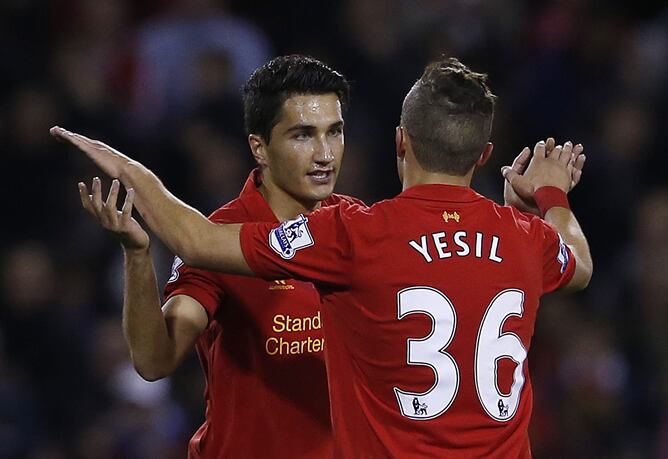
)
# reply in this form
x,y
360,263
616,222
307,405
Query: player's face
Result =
x,y
306,148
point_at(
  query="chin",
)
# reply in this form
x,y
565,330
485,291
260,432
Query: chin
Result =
x,y
319,194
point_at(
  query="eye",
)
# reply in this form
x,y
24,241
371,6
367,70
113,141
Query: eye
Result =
x,y
337,131
300,136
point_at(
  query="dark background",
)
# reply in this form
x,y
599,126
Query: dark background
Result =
x,y
160,81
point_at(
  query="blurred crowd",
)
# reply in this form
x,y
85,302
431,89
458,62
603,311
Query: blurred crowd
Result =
x,y
161,81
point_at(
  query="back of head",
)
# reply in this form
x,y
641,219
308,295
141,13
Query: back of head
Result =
x,y
448,117
281,78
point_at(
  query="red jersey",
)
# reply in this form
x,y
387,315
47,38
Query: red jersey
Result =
x,y
428,304
262,355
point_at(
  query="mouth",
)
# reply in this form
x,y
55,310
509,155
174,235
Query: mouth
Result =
x,y
321,176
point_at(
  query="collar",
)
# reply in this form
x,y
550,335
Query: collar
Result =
x,y
250,197
441,192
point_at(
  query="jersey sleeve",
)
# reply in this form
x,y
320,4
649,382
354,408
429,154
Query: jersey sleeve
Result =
x,y
196,283
315,248
558,260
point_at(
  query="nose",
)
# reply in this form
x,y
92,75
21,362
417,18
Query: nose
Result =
x,y
323,153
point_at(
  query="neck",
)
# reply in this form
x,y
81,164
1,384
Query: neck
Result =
x,y
418,176
284,205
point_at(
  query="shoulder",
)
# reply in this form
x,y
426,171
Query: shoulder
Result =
x,y
341,207
232,212
509,215
336,199
528,224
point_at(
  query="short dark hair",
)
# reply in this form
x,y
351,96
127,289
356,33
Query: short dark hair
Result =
x,y
281,78
448,116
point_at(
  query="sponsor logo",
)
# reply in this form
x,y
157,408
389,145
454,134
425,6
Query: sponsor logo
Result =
x,y
447,216
175,270
291,236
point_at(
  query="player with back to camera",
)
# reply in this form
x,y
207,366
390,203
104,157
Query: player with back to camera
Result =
x,y
429,299
259,342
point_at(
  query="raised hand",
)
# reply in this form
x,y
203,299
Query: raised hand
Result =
x,y
118,222
518,188
510,196
110,160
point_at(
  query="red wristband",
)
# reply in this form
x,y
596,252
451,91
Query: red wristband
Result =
x,y
550,196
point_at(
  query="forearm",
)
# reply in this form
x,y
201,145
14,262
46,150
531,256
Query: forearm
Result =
x,y
199,242
568,227
151,348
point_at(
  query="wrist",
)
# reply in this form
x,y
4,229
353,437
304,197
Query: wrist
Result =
x,y
547,197
134,252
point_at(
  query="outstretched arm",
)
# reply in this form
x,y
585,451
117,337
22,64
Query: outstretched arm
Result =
x,y
189,234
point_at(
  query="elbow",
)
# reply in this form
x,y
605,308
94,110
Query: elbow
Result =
x,y
151,372
191,256
194,246
582,276
148,376
589,271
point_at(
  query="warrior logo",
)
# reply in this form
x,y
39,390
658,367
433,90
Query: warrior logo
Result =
x,y
290,237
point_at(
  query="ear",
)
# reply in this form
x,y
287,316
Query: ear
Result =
x,y
400,141
258,149
484,156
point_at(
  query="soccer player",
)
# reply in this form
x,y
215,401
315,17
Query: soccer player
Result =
x,y
260,342
428,299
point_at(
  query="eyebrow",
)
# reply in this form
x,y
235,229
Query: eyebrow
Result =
x,y
310,127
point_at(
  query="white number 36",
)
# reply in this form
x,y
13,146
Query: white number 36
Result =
x,y
492,345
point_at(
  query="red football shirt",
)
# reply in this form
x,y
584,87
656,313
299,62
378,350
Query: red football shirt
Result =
x,y
262,355
428,304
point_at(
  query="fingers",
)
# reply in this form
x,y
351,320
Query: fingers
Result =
x,y
555,153
113,195
126,211
576,174
522,186
110,205
75,139
550,144
81,141
57,132
97,196
579,162
539,150
86,199
522,161
100,153
105,212
566,156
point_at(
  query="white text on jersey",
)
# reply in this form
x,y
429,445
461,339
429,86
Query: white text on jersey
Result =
x,y
436,245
